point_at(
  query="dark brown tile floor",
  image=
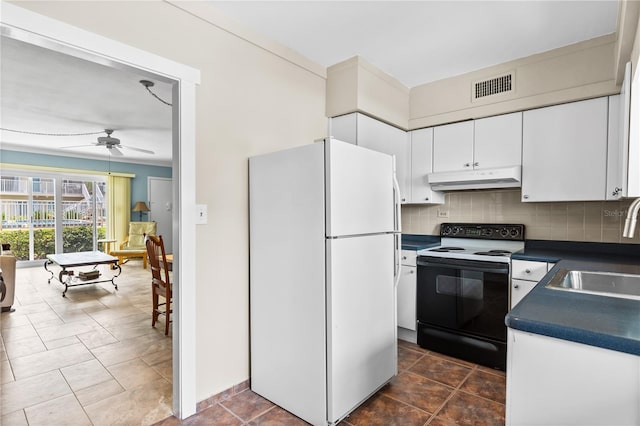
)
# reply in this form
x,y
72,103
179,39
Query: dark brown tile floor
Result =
x,y
430,389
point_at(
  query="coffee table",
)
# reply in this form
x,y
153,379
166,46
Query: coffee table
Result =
x,y
68,277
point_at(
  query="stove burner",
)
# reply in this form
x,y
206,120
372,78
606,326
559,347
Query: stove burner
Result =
x,y
446,249
493,253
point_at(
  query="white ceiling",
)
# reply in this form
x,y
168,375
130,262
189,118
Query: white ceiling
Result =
x,y
414,41
422,41
48,92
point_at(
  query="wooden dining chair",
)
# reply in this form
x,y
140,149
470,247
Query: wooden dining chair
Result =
x,y
160,282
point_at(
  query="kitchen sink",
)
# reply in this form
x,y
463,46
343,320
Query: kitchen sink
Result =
x,y
599,283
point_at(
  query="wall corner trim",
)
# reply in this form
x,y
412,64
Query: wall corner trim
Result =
x,y
209,13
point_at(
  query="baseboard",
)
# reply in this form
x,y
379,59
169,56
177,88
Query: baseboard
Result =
x,y
224,395
407,335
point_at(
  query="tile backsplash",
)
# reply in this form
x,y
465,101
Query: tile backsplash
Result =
x,y
596,221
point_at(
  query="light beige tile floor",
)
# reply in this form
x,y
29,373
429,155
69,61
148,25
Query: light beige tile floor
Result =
x,y
91,358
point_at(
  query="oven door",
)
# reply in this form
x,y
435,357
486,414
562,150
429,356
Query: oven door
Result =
x,y
465,296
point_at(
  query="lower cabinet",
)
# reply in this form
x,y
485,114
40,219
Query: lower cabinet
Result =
x,y
525,274
519,289
406,292
556,382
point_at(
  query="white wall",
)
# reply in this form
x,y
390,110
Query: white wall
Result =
x,y
250,101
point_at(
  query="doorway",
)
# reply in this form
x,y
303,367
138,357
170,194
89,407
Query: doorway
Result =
x,y
45,32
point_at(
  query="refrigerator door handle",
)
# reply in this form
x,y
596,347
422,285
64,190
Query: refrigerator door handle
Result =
x,y
396,198
397,226
396,266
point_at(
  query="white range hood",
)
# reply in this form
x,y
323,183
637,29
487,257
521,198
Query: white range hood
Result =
x,y
505,177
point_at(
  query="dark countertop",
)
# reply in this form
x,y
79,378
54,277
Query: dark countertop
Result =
x,y
606,322
419,242
554,251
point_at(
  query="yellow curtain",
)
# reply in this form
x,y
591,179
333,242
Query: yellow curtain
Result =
x,y
119,190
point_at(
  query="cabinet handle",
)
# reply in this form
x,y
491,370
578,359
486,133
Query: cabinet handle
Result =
x,y
516,286
411,271
404,257
616,192
476,164
404,199
526,197
427,199
467,164
528,271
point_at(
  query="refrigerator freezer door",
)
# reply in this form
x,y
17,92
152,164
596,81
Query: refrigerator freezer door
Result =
x,y
359,190
287,289
361,323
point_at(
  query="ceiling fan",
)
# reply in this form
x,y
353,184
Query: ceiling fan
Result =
x,y
112,144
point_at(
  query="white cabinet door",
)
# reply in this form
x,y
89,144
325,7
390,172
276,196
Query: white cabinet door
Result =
x,y
622,175
344,128
616,171
633,182
421,165
564,152
407,298
557,382
498,141
519,289
453,147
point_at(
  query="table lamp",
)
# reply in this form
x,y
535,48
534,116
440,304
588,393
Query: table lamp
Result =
x,y
140,207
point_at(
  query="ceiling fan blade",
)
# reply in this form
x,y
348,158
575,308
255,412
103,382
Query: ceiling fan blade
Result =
x,y
146,151
113,150
76,146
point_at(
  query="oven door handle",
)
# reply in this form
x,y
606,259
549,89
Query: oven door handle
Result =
x,y
495,268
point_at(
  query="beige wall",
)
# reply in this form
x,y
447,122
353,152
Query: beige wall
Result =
x,y
566,221
356,85
250,102
580,71
635,51
574,72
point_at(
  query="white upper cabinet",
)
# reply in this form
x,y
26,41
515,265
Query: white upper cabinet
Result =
x,y
345,128
413,152
564,152
421,165
498,141
485,143
453,147
623,175
616,164
633,152
378,136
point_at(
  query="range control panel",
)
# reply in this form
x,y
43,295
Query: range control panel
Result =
x,y
483,231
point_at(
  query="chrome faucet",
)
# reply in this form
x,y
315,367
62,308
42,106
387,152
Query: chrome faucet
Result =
x,y
630,222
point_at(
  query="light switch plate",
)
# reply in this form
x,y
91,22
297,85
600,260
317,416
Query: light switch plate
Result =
x,y
201,214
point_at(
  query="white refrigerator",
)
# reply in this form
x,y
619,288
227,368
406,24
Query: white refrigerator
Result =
x,y
324,265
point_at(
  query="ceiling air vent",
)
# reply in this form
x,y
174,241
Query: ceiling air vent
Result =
x,y
493,86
